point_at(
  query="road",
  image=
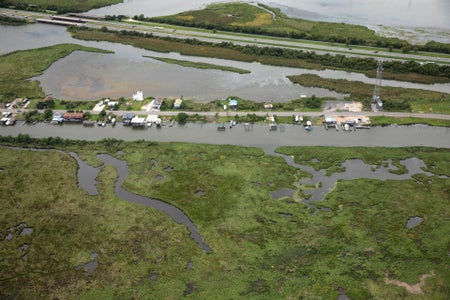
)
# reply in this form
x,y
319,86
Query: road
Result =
x,y
261,113
245,39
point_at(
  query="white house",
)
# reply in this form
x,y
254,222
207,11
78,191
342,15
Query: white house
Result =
x,y
139,96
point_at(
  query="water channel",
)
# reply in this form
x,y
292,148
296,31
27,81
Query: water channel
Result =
x,y
256,135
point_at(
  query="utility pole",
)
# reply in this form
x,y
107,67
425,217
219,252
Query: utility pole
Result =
x,y
377,104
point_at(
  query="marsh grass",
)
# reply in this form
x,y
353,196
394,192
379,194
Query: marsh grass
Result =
x,y
262,248
199,65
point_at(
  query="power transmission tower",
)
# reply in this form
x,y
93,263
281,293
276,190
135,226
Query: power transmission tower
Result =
x,y
377,104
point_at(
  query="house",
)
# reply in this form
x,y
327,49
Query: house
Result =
x,y
137,122
126,119
111,104
233,103
153,119
177,103
330,121
73,116
139,96
57,119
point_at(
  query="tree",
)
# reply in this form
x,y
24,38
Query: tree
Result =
x,y
48,114
313,102
182,118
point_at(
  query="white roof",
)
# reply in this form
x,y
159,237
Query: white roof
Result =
x,y
139,96
152,118
137,120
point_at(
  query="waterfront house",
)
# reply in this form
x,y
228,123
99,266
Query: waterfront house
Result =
x,y
137,122
153,119
139,96
177,103
126,119
330,121
73,116
57,119
233,103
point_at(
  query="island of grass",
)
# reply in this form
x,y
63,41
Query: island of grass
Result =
x,y
353,241
199,65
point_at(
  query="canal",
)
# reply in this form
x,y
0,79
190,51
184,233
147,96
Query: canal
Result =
x,y
256,135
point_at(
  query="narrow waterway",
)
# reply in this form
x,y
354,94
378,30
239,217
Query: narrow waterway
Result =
x,y
319,185
86,180
256,135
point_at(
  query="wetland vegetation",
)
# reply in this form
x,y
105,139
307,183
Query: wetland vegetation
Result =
x,y
262,248
199,65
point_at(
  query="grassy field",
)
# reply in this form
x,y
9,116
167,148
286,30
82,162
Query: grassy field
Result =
x,y
72,5
262,248
19,66
419,100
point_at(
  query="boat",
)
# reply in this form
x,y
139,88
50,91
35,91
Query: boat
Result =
x,y
88,123
308,126
221,127
362,127
273,127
